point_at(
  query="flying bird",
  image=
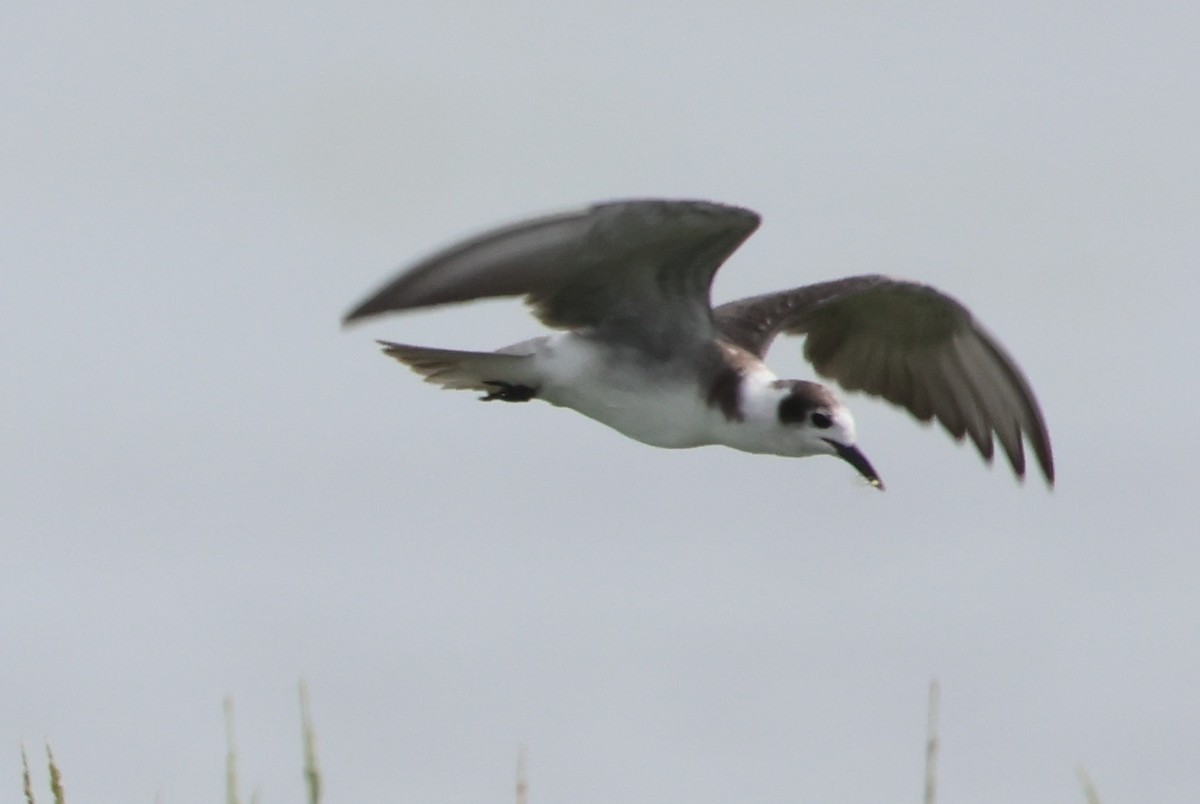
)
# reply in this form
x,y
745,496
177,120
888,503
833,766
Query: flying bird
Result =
x,y
644,351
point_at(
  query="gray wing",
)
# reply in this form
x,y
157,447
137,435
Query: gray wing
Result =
x,y
628,267
911,345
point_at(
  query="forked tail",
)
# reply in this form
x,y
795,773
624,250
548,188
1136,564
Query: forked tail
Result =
x,y
501,375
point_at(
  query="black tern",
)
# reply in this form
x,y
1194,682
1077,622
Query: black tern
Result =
x,y
647,354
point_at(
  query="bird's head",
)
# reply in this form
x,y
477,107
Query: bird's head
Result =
x,y
815,422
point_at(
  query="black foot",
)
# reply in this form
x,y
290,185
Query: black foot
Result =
x,y
507,392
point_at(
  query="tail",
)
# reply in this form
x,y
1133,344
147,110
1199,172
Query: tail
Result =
x,y
477,371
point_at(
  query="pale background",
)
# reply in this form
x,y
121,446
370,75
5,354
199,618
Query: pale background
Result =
x,y
207,488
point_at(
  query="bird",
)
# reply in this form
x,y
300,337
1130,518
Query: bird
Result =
x,y
641,349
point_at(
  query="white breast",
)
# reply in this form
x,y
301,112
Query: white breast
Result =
x,y
660,408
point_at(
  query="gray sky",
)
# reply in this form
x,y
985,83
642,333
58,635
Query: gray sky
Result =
x,y
207,488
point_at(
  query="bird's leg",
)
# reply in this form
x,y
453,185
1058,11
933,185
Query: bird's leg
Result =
x,y
507,392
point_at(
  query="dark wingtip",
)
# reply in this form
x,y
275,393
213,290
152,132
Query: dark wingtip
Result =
x,y
360,312
1045,458
1041,451
1045,462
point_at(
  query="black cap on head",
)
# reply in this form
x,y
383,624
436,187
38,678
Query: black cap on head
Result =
x,y
802,399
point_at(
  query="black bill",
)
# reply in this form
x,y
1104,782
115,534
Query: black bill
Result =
x,y
852,456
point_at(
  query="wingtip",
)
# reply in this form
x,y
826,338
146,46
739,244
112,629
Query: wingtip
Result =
x,y
1047,467
359,312
1045,458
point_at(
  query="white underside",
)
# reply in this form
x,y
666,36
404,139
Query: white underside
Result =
x,y
645,404
660,404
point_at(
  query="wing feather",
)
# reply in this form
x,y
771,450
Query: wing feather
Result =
x,y
945,398
909,344
641,269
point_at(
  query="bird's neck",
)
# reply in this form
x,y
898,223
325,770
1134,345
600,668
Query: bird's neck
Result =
x,y
746,415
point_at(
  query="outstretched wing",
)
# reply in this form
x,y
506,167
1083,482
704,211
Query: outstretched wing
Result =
x,y
637,269
910,344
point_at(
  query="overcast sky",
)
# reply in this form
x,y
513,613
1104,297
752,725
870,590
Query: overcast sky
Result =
x,y
207,488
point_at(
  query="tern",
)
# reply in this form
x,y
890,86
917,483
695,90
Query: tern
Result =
x,y
644,351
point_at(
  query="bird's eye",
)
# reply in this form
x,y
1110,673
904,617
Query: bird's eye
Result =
x,y
821,420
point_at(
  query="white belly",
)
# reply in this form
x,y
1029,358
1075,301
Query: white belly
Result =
x,y
629,396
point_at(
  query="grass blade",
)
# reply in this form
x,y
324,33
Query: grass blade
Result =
x,y
25,778
931,744
55,778
312,775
